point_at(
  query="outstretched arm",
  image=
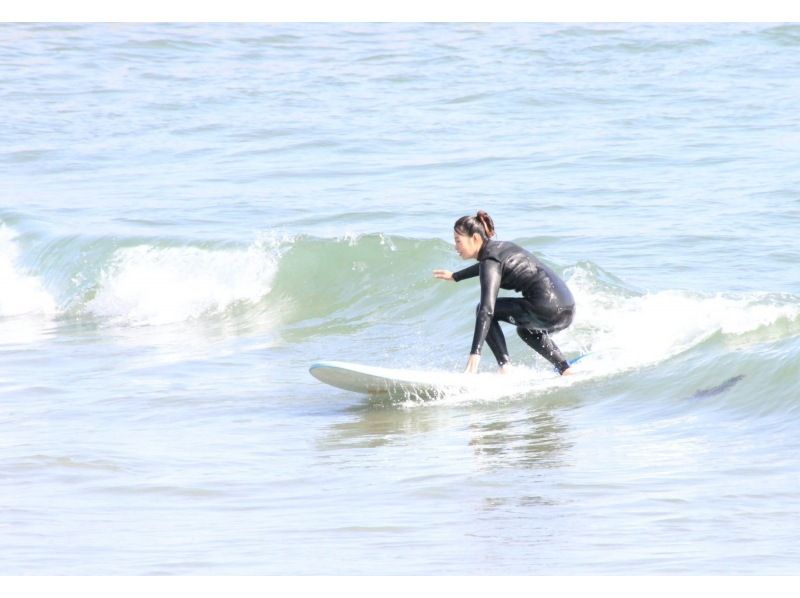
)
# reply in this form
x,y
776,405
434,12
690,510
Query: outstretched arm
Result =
x,y
443,274
468,272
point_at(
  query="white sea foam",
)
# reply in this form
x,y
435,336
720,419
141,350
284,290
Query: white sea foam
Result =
x,y
636,331
21,292
147,285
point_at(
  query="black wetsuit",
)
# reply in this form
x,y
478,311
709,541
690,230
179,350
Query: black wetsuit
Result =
x,y
546,304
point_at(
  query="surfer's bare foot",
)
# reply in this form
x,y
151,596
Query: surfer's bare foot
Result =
x,y
504,369
567,372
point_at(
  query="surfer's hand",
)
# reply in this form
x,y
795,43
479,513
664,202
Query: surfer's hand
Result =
x,y
443,274
472,364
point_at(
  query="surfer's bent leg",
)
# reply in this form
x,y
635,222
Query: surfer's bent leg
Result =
x,y
539,338
541,342
497,342
514,310
531,327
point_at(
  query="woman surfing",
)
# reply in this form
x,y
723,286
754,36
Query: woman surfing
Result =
x,y
546,305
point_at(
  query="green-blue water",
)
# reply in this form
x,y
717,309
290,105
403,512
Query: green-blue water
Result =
x,y
190,215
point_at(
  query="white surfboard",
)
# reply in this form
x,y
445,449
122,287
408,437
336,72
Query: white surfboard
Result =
x,y
377,380
394,382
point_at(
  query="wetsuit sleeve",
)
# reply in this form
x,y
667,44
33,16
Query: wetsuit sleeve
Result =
x,y
470,272
490,273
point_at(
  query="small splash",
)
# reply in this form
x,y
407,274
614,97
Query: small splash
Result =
x,y
387,241
488,387
350,238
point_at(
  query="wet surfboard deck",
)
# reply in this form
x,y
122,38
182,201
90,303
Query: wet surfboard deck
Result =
x,y
374,380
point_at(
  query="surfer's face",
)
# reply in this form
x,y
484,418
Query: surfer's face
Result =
x,y
468,246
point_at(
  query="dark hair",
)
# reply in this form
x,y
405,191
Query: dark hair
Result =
x,y
481,223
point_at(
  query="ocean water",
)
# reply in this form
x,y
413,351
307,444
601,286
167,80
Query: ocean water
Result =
x,y
191,215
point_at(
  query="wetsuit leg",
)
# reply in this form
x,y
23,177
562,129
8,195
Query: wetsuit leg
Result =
x,y
541,342
514,310
532,328
539,338
497,342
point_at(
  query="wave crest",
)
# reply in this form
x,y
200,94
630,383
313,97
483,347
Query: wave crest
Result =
x,y
162,285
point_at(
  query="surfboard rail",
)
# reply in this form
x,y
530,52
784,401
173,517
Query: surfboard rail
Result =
x,y
410,383
374,380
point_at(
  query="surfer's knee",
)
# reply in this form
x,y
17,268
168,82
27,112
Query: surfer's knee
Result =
x,y
565,317
528,334
482,309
